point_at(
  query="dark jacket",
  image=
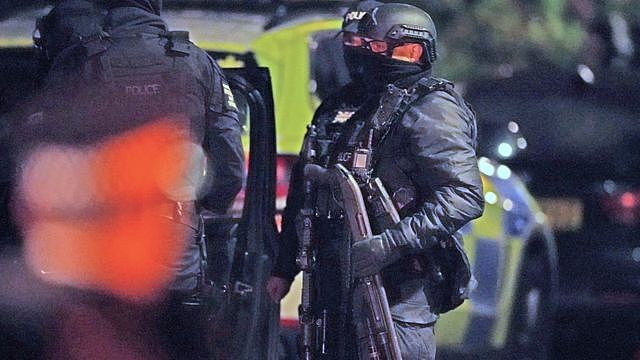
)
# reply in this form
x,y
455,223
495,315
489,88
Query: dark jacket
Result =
x,y
141,72
348,100
138,40
221,130
428,164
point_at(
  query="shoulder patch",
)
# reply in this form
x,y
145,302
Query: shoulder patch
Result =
x,y
342,117
229,100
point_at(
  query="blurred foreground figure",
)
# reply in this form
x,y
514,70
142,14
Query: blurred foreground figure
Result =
x,y
154,73
94,225
135,124
95,216
397,123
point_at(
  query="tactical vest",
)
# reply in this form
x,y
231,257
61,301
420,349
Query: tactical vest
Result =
x,y
369,132
133,81
356,147
351,133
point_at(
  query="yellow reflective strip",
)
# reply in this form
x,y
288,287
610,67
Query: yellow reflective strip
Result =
x,y
451,328
289,304
230,62
513,255
232,103
15,42
489,226
285,51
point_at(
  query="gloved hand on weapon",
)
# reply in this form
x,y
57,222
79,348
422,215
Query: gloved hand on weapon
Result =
x,y
371,255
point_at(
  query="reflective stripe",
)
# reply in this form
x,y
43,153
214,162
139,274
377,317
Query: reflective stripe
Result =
x,y
484,298
517,213
509,280
478,331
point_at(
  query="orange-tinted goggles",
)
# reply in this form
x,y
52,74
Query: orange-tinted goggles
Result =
x,y
354,40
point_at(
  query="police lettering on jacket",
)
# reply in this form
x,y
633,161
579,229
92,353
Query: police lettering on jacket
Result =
x,y
141,90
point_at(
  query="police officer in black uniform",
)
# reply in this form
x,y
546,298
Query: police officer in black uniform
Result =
x,y
142,44
131,71
424,153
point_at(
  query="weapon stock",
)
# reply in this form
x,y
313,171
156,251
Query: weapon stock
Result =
x,y
382,340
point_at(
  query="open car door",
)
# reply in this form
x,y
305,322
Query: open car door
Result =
x,y
241,245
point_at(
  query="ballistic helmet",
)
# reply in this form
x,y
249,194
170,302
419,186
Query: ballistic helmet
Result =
x,y
66,24
355,13
401,23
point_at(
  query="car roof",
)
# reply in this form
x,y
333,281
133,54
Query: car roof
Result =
x,y
232,29
218,26
203,25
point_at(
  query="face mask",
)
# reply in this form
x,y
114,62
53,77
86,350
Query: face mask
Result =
x,y
374,71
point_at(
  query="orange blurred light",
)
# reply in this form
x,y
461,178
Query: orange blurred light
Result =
x,y
129,167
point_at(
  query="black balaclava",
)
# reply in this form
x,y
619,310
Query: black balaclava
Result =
x,y
374,72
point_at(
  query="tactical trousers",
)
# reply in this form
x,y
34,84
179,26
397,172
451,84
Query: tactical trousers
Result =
x,y
189,266
417,341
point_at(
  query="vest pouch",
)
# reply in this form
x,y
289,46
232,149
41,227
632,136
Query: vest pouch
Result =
x,y
447,288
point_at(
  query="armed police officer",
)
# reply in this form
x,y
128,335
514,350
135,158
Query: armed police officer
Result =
x,y
117,71
419,138
195,86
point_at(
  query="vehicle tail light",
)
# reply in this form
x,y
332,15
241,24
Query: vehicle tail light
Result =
x,y
284,164
623,207
289,323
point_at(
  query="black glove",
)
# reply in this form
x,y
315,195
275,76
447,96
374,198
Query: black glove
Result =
x,y
370,256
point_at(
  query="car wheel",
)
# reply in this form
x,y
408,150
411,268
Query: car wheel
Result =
x,y
531,319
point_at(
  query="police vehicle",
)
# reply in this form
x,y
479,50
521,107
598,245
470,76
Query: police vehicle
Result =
x,y
511,249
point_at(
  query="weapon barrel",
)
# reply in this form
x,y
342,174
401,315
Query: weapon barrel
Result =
x,y
383,342
306,257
